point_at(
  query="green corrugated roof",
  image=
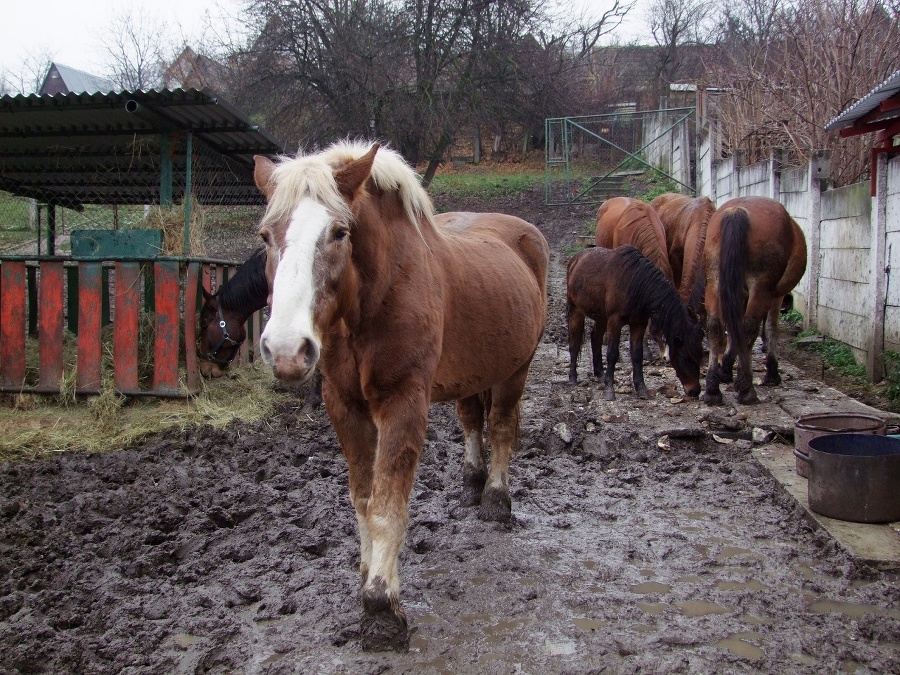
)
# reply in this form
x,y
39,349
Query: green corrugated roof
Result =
x,y
73,149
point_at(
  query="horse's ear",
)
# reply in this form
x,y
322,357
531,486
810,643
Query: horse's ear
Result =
x,y
351,177
262,175
206,294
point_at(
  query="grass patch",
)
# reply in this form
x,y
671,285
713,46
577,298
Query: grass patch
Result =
x,y
485,183
835,355
36,426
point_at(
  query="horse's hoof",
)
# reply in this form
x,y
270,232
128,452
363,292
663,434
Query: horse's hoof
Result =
x,y
748,397
771,381
383,631
383,625
473,486
643,393
496,506
712,399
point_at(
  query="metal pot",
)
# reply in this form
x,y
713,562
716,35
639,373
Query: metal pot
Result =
x,y
814,425
855,477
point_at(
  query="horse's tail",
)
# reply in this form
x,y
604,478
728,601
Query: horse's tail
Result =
x,y
732,261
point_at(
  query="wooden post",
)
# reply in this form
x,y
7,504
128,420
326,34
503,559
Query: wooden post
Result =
x,y
190,326
12,324
50,326
126,326
168,322
90,317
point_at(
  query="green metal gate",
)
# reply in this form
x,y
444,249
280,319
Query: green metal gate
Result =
x,y
592,158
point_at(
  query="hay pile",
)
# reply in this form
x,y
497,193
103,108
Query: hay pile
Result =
x,y
170,219
36,426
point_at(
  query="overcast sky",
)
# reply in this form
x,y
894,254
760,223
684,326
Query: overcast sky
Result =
x,y
69,30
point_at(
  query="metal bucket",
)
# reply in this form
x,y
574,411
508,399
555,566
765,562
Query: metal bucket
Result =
x,y
855,477
814,425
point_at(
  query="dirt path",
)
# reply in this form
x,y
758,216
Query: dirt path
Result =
x,y
640,543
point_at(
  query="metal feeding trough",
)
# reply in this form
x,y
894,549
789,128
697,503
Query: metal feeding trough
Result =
x,y
814,425
855,477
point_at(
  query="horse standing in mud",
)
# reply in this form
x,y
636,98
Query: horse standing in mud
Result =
x,y
618,287
400,308
685,220
223,319
755,254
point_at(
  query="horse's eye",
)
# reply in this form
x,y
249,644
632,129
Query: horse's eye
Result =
x,y
340,233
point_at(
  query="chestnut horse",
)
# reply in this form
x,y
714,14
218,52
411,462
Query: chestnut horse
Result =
x,y
620,286
399,308
684,220
625,220
223,318
755,254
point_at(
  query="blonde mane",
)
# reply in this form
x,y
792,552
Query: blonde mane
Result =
x,y
312,176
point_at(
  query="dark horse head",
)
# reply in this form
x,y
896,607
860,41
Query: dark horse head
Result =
x,y
224,314
677,321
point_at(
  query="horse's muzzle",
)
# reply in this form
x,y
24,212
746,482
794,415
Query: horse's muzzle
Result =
x,y
291,366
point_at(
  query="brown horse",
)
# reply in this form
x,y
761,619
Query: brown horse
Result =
x,y
685,220
223,316
399,308
615,287
755,254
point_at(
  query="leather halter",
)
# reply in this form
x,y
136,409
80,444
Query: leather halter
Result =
x,y
226,338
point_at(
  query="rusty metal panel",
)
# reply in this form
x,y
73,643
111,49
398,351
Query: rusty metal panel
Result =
x,y
50,325
90,316
126,326
168,319
190,326
12,323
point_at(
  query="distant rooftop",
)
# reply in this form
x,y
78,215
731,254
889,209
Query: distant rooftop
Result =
x,y
62,79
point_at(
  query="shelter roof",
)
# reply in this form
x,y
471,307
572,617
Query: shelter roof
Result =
x,y
867,107
73,149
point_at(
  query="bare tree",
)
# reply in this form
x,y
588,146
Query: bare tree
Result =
x,y
674,25
134,45
30,76
821,57
414,72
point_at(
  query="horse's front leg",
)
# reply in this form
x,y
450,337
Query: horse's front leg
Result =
x,y
614,331
358,437
636,340
401,421
503,420
471,414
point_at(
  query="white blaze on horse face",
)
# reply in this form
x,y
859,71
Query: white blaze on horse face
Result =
x,y
290,319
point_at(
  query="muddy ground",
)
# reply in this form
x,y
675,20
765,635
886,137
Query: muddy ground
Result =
x,y
645,539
